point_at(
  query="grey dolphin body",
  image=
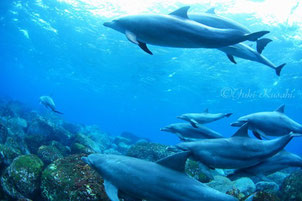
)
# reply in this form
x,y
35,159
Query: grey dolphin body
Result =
x,y
239,151
177,30
202,118
161,181
186,132
238,50
271,165
274,123
48,102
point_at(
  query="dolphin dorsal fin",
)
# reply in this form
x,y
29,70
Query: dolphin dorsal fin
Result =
x,y
242,131
211,11
280,109
176,161
181,12
206,110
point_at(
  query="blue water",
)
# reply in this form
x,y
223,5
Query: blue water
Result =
x,y
96,76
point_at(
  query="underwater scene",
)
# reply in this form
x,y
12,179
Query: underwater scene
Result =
x,y
179,100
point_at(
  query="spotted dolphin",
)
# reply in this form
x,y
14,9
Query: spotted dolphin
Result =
x,y
269,166
274,123
236,152
186,132
164,180
48,102
202,118
177,30
238,50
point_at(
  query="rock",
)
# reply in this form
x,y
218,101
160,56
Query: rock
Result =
x,y
194,170
120,139
17,142
21,178
278,177
3,133
112,151
72,128
269,187
77,148
123,147
90,144
65,150
17,125
221,183
103,140
7,155
70,178
291,189
265,196
49,153
133,138
149,151
245,185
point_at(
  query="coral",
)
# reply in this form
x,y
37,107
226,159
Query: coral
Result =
x,y
291,189
70,178
21,178
49,153
149,151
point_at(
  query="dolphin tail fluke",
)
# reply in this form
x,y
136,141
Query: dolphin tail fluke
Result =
x,y
262,43
295,134
256,35
58,112
279,68
228,114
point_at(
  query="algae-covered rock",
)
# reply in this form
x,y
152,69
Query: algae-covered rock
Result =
x,y
221,183
77,148
64,150
266,186
88,143
149,151
291,189
48,154
21,178
3,134
194,170
265,196
245,185
70,178
8,154
278,177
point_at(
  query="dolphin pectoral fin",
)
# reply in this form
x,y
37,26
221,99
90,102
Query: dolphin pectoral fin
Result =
x,y
262,43
279,68
176,161
231,58
211,11
280,109
242,132
257,135
256,35
111,191
144,47
193,123
181,12
131,37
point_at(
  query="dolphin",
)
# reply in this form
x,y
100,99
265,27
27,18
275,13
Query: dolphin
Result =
x,y
202,118
48,102
164,180
278,162
238,50
177,30
211,19
236,152
186,132
274,123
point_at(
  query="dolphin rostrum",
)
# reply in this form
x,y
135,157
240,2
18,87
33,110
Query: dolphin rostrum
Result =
x,y
278,162
274,123
177,30
239,151
48,102
202,118
164,180
188,133
238,50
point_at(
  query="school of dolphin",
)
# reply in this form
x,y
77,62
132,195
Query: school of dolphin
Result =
x,y
165,180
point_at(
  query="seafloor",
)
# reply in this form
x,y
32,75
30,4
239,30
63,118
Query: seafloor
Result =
x,y
40,159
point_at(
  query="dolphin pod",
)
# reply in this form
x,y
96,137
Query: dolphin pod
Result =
x,y
202,118
164,180
280,161
48,102
274,123
186,132
224,153
177,30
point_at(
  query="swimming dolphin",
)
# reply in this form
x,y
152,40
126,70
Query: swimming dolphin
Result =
x,y
202,118
48,102
164,180
239,151
238,50
176,30
211,19
188,133
274,123
278,162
